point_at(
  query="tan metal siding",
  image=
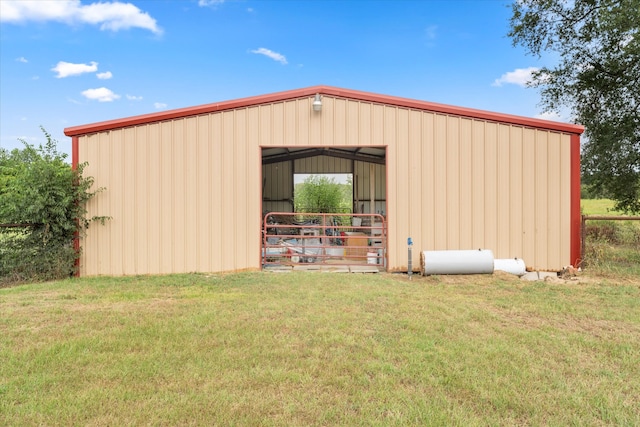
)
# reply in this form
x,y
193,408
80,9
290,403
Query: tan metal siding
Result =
x,y
481,185
172,190
427,179
452,183
478,199
413,150
151,136
515,160
440,190
542,203
466,182
490,212
503,213
216,202
203,208
340,122
565,198
185,194
528,193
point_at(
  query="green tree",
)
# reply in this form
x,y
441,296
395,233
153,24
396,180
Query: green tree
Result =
x,y
319,193
38,187
597,77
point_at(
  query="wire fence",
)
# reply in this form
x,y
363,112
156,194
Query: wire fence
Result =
x,y
584,230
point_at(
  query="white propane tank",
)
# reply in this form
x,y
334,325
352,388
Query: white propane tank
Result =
x,y
512,265
478,261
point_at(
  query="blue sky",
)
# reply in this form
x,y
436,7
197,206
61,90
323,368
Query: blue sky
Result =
x,y
68,63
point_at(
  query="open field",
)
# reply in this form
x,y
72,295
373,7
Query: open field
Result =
x,y
598,207
612,248
321,349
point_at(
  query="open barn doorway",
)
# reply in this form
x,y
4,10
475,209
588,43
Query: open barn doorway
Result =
x,y
305,232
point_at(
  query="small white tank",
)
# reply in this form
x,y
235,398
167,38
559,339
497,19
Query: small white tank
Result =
x,y
512,265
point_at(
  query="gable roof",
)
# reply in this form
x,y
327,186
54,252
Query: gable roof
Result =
x,y
323,90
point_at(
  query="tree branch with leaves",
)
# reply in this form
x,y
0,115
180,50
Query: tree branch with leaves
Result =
x,y
597,77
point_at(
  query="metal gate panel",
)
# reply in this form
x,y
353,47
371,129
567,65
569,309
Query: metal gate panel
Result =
x,y
324,239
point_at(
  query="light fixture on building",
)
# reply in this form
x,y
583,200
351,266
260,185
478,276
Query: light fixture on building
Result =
x,y
317,103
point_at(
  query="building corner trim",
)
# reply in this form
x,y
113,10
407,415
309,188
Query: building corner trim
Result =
x,y
576,255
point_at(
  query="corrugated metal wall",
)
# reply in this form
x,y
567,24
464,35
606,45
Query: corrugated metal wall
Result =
x,y
362,184
185,195
277,182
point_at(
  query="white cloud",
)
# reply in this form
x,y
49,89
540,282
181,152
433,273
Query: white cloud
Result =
x,y
159,105
118,16
112,16
101,94
550,115
22,59
520,77
104,76
209,3
66,69
271,54
134,98
44,10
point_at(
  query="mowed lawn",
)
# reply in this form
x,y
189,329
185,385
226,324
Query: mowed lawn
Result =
x,y
297,349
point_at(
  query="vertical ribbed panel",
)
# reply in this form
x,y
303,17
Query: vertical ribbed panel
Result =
x,y
465,185
322,164
180,195
186,194
277,187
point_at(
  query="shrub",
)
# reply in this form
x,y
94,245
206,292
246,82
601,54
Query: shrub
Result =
x,y
322,194
39,188
604,232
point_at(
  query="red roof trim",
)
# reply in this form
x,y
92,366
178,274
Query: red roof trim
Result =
x,y
325,90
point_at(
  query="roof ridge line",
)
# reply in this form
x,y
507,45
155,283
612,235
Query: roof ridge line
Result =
x,y
324,90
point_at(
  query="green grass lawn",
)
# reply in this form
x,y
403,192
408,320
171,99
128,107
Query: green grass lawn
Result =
x,y
598,207
320,349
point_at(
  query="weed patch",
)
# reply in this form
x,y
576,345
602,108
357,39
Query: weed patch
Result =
x,y
612,248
